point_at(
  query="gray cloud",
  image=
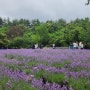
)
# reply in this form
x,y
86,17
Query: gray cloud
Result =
x,y
44,9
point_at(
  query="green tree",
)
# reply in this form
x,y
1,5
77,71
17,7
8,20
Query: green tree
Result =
x,y
24,22
3,29
20,42
3,41
51,26
15,31
35,22
1,22
42,32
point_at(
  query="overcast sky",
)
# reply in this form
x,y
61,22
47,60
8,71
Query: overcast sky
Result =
x,y
44,9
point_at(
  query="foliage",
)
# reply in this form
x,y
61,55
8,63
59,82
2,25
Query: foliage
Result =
x,y
59,32
9,84
15,31
42,32
3,40
50,77
19,42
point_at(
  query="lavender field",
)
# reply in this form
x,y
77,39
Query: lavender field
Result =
x,y
44,69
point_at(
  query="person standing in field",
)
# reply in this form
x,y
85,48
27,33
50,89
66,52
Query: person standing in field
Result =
x,y
81,45
36,46
53,46
86,46
74,45
41,46
71,45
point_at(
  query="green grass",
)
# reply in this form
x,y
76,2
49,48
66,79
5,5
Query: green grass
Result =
x,y
10,56
77,84
61,64
21,85
27,71
80,83
50,77
3,81
57,65
45,63
78,69
13,67
32,63
14,85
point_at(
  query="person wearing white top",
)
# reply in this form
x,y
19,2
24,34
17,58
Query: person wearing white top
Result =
x,y
36,46
74,45
53,46
81,45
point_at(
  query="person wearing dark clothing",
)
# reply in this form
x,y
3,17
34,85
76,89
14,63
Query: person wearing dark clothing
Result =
x,y
71,46
41,46
86,46
33,46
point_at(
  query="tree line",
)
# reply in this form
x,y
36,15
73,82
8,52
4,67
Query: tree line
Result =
x,y
23,33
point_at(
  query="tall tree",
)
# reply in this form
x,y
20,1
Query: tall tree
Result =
x,y
3,40
15,31
42,31
1,22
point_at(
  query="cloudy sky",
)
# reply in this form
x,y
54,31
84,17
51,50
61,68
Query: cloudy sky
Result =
x,y
44,9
